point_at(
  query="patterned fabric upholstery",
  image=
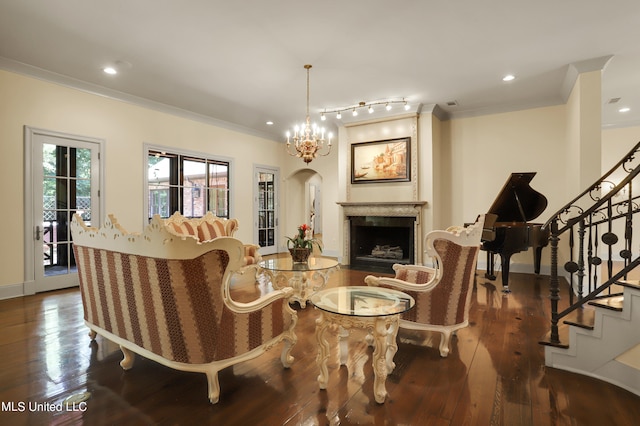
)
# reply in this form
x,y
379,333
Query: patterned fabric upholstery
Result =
x,y
446,303
184,228
413,276
210,227
166,296
209,230
173,308
443,293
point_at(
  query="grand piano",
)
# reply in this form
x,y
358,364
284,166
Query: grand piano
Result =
x,y
507,228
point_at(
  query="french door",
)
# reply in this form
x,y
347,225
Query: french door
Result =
x,y
266,209
64,180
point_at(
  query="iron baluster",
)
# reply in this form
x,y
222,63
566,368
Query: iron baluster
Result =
x,y
581,234
553,284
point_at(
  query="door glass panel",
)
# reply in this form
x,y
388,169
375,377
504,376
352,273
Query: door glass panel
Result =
x,y
82,201
66,190
82,163
266,209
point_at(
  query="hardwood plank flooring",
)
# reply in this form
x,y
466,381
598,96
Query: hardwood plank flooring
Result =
x,y
494,375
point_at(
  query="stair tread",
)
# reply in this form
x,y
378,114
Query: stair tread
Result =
x,y
583,318
613,302
630,283
563,335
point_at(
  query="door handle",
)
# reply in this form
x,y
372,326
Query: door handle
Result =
x,y
37,232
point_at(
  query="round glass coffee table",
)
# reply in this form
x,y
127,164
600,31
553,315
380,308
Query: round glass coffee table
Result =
x,y
374,309
305,278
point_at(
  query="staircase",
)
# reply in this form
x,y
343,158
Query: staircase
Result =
x,y
607,345
598,332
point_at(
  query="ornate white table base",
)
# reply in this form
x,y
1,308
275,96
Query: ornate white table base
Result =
x,y
304,282
382,332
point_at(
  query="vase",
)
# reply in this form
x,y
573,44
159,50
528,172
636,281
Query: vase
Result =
x,y
299,255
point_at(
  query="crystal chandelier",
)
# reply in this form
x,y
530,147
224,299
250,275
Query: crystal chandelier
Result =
x,y
308,139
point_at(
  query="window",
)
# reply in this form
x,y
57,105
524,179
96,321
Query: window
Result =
x,y
189,184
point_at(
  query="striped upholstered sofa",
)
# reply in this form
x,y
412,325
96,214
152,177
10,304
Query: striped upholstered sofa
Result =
x,y
168,299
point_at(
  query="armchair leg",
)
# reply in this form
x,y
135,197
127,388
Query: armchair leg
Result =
x,y
444,343
285,357
214,386
129,357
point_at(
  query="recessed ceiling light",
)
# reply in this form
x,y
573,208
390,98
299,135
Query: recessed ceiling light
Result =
x,y
509,77
269,123
625,109
110,70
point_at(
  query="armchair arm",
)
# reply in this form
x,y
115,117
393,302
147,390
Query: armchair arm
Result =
x,y
408,277
260,303
251,254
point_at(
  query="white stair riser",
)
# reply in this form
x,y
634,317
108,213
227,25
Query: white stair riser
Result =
x,y
593,352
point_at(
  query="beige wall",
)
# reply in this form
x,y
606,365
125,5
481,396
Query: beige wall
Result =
x,y
616,143
463,162
125,128
382,130
485,150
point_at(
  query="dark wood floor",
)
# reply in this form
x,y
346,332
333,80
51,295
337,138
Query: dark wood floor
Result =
x,y
494,375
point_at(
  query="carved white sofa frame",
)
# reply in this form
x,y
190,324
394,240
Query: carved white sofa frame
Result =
x,y
168,299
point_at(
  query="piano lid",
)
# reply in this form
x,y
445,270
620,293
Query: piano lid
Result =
x,y
517,201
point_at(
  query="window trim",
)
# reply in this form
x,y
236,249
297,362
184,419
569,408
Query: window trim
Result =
x,y
148,147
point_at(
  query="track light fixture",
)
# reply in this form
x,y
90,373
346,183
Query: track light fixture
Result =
x,y
369,106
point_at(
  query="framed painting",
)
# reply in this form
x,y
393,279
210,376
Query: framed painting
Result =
x,y
381,161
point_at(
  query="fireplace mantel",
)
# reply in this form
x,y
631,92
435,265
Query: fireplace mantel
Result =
x,y
387,208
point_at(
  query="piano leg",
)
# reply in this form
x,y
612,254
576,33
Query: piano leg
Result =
x,y
490,274
505,261
537,256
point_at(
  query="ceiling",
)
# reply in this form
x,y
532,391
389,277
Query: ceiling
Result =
x,y
240,64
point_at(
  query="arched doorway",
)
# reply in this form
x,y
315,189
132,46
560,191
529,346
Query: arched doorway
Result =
x,y
304,200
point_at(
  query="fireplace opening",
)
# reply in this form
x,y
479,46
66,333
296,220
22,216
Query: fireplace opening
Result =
x,y
377,242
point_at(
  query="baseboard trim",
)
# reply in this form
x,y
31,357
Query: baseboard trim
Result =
x,y
11,290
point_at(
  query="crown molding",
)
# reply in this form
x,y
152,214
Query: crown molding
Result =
x,y
97,90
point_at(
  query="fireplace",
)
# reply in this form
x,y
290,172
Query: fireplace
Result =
x,y
377,235
377,242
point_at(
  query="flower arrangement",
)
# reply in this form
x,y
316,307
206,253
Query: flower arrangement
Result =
x,y
303,239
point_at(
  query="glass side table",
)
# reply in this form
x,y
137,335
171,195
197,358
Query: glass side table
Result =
x,y
304,278
374,309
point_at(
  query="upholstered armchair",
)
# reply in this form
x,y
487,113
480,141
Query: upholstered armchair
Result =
x,y
443,292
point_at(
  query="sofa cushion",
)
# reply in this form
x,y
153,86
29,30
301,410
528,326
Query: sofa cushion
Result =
x,y
184,228
210,230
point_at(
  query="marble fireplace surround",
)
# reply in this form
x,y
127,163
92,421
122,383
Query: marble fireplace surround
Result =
x,y
384,209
